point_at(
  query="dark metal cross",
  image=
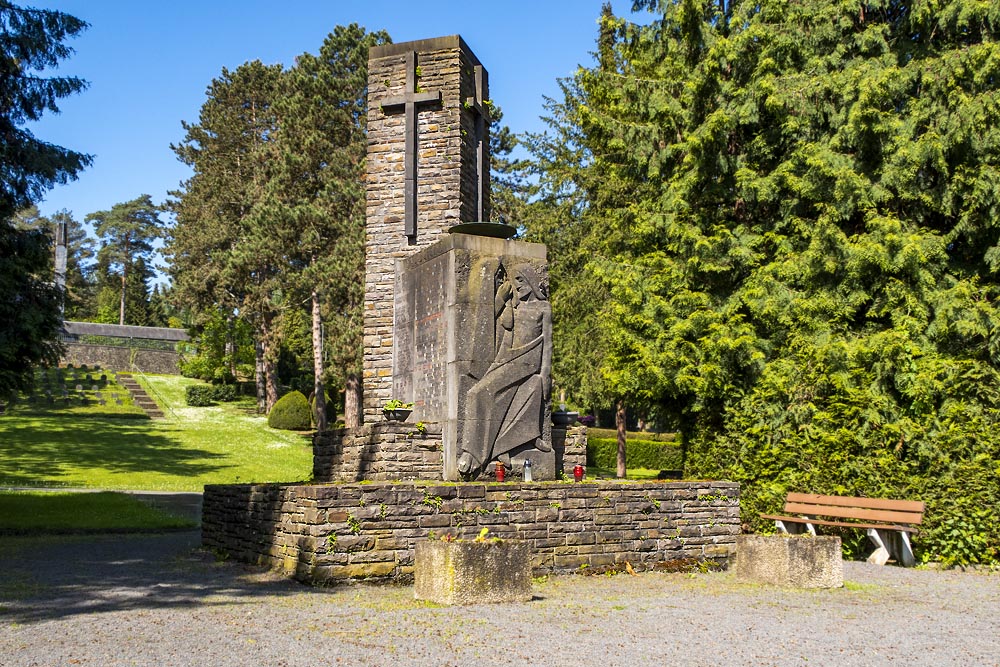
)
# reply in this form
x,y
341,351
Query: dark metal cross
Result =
x,y
409,101
478,106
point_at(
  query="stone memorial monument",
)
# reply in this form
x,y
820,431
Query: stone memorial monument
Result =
x,y
457,318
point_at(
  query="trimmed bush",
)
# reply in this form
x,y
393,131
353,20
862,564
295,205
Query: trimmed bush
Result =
x,y
199,395
603,453
291,413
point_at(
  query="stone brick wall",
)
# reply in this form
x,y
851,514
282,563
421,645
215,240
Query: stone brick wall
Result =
x,y
121,358
446,169
329,532
388,451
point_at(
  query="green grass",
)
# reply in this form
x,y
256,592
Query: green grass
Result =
x,y
42,512
85,447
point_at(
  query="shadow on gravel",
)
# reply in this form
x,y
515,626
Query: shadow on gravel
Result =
x,y
55,577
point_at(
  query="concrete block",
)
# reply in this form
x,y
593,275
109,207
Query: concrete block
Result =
x,y
790,560
459,573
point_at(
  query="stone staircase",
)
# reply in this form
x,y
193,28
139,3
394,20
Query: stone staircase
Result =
x,y
139,396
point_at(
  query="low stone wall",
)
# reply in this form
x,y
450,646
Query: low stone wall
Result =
x,y
126,359
398,451
322,533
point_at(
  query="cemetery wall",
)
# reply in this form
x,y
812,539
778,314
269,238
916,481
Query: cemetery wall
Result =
x,y
116,358
325,533
399,451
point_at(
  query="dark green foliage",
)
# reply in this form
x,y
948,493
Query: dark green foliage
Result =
x,y
29,309
291,413
651,454
127,233
797,205
200,395
30,41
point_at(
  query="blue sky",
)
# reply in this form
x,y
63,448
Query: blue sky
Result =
x,y
149,63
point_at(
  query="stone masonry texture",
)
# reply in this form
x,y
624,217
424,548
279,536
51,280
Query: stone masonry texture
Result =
x,y
325,533
446,179
388,451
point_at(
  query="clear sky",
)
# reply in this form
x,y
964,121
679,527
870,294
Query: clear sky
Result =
x,y
149,62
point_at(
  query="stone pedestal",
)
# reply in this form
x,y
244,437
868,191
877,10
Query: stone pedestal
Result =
x,y
795,561
456,573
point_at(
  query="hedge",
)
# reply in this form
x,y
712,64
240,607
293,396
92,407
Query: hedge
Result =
x,y
201,395
603,453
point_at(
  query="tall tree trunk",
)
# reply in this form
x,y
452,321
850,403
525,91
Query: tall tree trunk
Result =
x,y
230,351
620,425
270,362
121,301
352,402
259,377
318,386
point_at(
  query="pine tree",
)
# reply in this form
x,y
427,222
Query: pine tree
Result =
x,y
226,252
317,195
128,232
31,40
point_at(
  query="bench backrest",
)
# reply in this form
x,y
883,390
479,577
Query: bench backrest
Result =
x,y
865,509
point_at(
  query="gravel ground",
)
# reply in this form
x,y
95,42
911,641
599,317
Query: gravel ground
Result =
x,y
155,600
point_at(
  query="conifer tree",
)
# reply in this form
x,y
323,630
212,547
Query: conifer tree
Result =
x,y
128,231
31,40
226,252
801,204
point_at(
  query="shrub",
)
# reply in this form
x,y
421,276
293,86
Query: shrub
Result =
x,y
603,453
199,395
291,413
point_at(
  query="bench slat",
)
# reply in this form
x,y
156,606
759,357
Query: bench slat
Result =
x,y
868,503
839,524
885,516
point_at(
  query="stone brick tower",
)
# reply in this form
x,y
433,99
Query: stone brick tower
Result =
x,y
428,169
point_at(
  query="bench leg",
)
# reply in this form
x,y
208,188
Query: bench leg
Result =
x,y
904,552
881,554
794,528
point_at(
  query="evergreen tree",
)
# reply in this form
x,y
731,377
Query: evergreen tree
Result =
x,y
801,203
30,41
316,195
128,232
226,252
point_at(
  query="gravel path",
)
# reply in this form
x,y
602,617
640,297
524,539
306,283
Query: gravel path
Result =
x,y
155,600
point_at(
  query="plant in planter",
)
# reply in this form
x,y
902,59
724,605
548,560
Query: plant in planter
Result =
x,y
396,410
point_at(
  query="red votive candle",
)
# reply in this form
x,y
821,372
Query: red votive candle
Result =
x,y
578,473
500,471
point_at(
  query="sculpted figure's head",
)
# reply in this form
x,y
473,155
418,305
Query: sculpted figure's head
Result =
x,y
529,282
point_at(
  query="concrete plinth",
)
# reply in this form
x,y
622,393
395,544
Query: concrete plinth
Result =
x,y
457,573
797,561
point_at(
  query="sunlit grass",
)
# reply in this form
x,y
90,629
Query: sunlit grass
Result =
x,y
51,512
191,447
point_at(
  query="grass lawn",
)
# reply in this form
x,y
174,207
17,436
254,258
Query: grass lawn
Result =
x,y
48,512
191,447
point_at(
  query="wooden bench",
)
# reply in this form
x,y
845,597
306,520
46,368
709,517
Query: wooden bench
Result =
x,y
888,523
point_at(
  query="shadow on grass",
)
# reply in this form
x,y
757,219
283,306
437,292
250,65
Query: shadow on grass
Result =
x,y
50,578
39,450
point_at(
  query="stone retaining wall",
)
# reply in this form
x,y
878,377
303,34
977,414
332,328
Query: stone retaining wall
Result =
x,y
322,533
387,451
117,358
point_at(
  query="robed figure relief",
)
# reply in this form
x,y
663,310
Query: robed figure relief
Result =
x,y
504,410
